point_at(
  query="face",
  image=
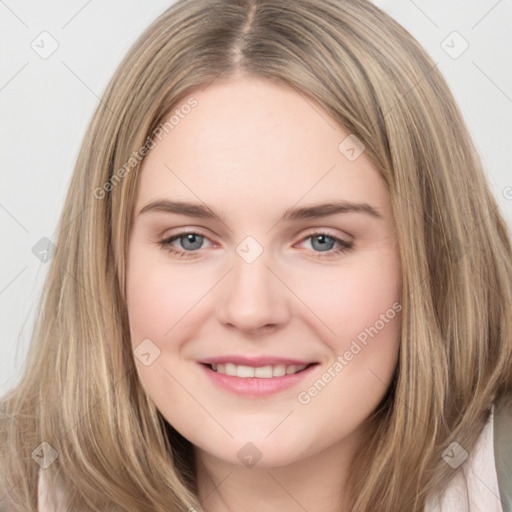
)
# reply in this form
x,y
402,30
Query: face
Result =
x,y
263,279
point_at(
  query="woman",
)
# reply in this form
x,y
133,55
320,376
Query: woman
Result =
x,y
286,283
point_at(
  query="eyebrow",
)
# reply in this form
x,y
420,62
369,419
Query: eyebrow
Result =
x,y
291,214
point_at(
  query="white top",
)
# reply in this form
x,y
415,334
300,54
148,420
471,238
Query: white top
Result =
x,y
480,495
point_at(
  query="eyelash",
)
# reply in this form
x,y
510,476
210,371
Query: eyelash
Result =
x,y
343,245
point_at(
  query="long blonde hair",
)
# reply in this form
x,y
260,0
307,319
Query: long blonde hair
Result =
x,y
80,392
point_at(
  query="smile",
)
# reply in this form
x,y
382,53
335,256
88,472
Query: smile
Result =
x,y
257,377
260,372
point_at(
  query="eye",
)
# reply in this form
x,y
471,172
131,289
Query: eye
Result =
x,y
326,243
188,243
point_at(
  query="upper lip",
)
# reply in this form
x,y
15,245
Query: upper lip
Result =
x,y
254,361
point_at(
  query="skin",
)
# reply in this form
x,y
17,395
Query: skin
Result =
x,y
250,150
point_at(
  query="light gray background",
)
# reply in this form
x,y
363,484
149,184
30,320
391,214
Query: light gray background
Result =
x,y
46,104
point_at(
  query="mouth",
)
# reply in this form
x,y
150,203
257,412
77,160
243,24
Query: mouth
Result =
x,y
259,372
256,377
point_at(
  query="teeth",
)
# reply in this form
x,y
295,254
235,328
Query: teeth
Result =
x,y
279,370
244,371
261,372
230,369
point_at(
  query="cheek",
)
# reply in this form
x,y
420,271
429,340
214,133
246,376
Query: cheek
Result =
x,y
362,309
354,298
159,297
157,300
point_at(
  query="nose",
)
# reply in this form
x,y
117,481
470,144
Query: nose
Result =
x,y
253,298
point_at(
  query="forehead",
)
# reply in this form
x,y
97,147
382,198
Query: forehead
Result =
x,y
257,143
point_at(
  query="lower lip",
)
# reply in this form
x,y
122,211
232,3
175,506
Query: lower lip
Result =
x,y
254,386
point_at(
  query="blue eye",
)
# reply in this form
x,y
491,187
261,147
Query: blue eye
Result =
x,y
189,241
326,245
324,242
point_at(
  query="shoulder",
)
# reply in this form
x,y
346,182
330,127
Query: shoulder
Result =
x,y
475,484
503,450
